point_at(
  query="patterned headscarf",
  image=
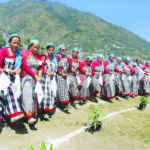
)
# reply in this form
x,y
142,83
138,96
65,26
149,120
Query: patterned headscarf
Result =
x,y
59,48
75,49
50,44
111,55
34,42
119,65
19,58
99,55
119,58
89,57
128,59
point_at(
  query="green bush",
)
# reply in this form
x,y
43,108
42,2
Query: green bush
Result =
x,y
95,116
143,100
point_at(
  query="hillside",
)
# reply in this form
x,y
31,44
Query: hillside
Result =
x,y
2,41
55,22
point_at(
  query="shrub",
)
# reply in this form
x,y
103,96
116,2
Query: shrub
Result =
x,y
143,100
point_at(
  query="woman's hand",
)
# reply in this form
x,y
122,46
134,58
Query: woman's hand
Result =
x,y
111,72
38,79
64,75
128,74
77,73
18,71
104,76
87,74
51,74
12,72
146,73
1,70
100,73
143,78
54,74
72,70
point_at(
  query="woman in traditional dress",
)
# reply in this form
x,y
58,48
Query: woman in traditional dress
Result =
x,y
146,78
109,85
73,75
118,76
63,66
138,66
97,79
49,68
127,78
140,83
135,81
138,62
10,61
31,64
85,77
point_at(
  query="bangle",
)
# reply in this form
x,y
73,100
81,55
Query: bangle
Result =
x,y
62,74
40,73
36,77
47,72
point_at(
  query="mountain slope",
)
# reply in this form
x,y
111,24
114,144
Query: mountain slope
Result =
x,y
52,21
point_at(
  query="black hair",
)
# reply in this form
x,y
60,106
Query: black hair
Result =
x,y
49,46
30,46
137,59
14,37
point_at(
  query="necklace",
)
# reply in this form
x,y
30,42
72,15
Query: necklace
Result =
x,y
11,53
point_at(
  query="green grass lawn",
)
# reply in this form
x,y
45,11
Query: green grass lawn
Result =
x,y
126,131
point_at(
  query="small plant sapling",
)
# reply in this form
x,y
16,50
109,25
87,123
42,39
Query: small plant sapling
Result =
x,y
43,147
95,119
143,102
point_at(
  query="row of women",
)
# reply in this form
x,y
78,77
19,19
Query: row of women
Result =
x,y
63,80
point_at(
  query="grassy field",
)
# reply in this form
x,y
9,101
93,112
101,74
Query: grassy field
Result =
x,y
125,131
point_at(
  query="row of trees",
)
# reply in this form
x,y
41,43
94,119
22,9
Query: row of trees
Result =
x,y
2,41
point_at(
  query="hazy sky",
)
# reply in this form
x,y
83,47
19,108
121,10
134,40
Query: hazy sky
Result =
x,y
133,15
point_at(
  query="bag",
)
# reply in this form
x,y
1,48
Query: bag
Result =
x,y
78,80
54,87
16,87
101,80
39,92
68,81
141,74
4,83
112,76
88,81
130,78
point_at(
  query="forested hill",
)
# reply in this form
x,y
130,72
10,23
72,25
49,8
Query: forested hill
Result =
x,y
57,23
